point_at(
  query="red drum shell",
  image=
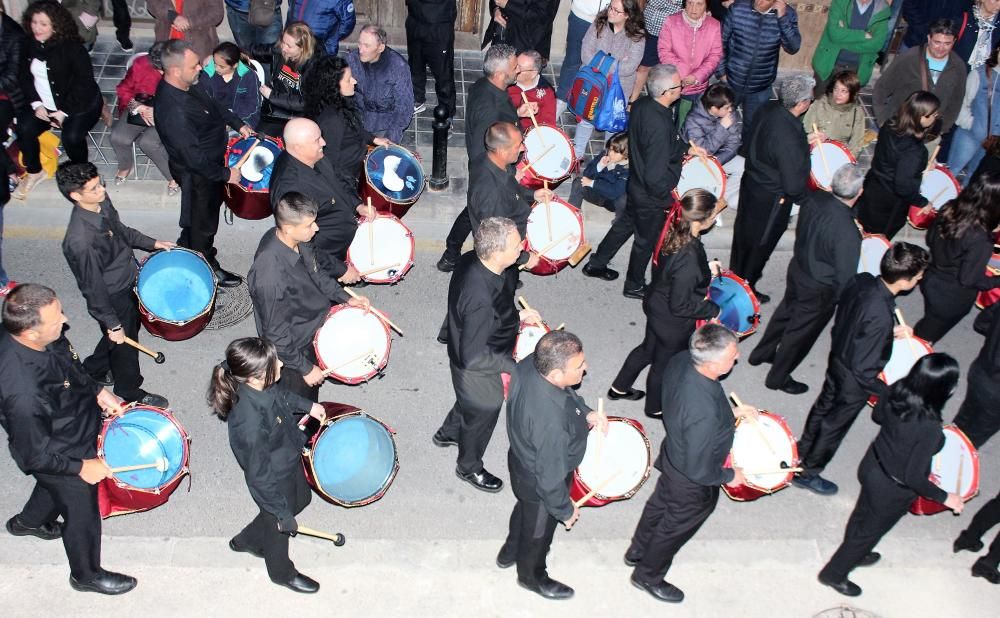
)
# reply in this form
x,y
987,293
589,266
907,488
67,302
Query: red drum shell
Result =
x,y
923,506
545,265
987,297
367,190
250,204
922,222
812,183
170,330
748,492
534,180
578,488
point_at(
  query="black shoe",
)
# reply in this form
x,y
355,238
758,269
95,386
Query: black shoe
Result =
x,y
600,273
632,394
244,550
226,279
152,399
301,583
869,559
548,588
105,380
962,542
631,560
637,293
762,298
791,386
439,439
47,532
105,583
759,358
503,564
446,264
126,44
980,568
845,587
816,484
482,480
662,591
657,415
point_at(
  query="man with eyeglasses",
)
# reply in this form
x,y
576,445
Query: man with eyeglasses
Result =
x,y
532,87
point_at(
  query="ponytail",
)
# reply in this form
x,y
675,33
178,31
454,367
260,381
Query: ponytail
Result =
x,y
695,205
250,357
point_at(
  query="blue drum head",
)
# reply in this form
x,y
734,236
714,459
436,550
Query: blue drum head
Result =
x,y
258,165
142,436
736,307
395,172
354,459
176,285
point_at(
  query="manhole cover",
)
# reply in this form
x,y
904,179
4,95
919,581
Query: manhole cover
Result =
x,y
232,306
845,611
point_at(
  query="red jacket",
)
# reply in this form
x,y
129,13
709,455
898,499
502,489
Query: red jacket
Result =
x,y
141,78
543,94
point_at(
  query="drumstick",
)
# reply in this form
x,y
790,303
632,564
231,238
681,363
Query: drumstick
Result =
x,y
704,161
822,155
939,194
933,160
548,208
909,338
561,326
246,155
375,270
344,364
377,313
593,492
534,120
531,164
160,465
958,481
525,304
338,539
547,248
371,230
157,356
756,426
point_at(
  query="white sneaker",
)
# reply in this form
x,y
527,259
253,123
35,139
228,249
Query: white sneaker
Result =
x,y
419,109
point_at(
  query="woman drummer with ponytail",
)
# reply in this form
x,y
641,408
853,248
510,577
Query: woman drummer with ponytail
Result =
x,y
675,300
267,442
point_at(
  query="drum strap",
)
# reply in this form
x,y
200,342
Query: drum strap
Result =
x,y
895,480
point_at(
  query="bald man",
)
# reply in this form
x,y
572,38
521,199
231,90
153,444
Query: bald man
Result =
x,y
303,168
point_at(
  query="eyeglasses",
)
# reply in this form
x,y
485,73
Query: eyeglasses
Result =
x,y
612,9
666,90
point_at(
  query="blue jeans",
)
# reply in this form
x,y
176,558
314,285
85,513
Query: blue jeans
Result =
x,y
575,31
966,152
247,35
750,102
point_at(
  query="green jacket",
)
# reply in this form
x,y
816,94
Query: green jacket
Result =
x,y
837,36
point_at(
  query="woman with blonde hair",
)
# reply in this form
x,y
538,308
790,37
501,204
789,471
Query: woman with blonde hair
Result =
x,y
290,59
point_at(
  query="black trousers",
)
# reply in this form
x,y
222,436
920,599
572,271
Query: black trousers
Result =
x,y
946,302
979,416
76,501
662,340
122,19
880,505
460,230
760,222
880,210
802,315
643,220
531,528
73,135
838,404
122,360
432,46
471,421
293,381
987,517
673,514
201,202
262,534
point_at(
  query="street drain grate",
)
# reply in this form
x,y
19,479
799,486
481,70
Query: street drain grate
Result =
x,y
232,306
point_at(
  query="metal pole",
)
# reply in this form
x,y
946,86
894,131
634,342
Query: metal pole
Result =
x,y
439,166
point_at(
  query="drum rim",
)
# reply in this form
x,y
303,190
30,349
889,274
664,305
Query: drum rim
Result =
x,y
311,468
520,327
277,141
416,196
783,423
143,309
410,262
572,154
645,477
725,177
351,381
918,340
185,440
974,487
561,263
728,274
850,157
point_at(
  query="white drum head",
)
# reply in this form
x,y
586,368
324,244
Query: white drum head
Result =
x,y
391,251
260,158
698,173
905,353
353,343
549,151
939,187
751,452
835,155
565,220
625,455
956,453
873,247
527,339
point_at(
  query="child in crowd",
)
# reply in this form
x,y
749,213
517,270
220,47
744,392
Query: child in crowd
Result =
x,y
605,178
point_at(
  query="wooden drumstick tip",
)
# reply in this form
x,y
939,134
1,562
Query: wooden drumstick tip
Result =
x,y
735,398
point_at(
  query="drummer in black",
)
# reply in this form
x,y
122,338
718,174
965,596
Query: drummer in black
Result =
x,y
827,245
482,329
192,127
961,244
700,428
51,411
304,169
547,423
896,468
861,344
292,292
675,300
246,392
98,248
979,416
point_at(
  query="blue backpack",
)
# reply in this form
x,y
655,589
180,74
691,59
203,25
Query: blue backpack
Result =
x,y
590,85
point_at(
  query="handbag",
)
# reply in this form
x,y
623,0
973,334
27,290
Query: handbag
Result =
x,y
261,13
611,116
134,118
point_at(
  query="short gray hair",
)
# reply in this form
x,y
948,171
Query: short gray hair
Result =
x,y
536,58
173,53
378,31
554,350
659,79
497,57
710,342
492,236
847,181
794,89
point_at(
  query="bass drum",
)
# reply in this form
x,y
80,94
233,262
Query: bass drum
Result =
x,y
176,291
251,198
392,178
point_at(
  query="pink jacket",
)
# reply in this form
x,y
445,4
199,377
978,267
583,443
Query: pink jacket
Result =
x,y
693,52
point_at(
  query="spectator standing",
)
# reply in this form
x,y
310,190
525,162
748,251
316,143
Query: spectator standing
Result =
x,y
533,86
979,119
581,14
87,13
978,33
331,21
123,25
838,113
246,34
289,61
195,22
233,84
384,92
920,14
692,41
654,13
430,44
854,34
522,24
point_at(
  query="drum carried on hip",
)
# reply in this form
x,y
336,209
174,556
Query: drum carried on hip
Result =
x,y
382,250
528,335
351,458
176,291
555,233
825,158
143,435
614,466
905,354
739,309
549,157
701,173
254,157
955,469
873,247
939,187
393,178
353,345
763,448
987,297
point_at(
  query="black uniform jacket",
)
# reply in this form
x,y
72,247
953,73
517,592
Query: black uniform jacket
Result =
x,y
495,192
962,260
547,426
778,153
655,152
679,288
48,407
482,321
292,293
192,127
905,448
988,324
485,105
827,241
699,423
898,165
861,340
346,143
268,443
98,248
